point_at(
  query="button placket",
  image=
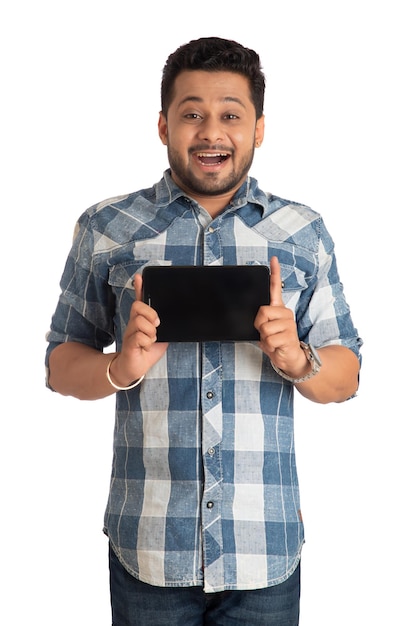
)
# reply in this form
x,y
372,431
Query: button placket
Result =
x,y
211,438
212,246
211,395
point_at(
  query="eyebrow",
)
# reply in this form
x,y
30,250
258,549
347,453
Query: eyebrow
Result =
x,y
199,99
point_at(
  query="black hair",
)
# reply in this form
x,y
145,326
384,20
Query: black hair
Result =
x,y
213,54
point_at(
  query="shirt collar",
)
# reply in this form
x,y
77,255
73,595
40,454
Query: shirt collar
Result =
x,y
166,192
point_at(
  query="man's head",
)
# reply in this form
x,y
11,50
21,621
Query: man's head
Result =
x,y
212,118
213,54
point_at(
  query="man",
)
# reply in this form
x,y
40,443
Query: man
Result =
x,y
203,516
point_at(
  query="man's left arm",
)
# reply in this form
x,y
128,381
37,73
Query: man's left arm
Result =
x,y
337,379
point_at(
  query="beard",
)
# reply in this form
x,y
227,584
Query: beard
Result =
x,y
213,183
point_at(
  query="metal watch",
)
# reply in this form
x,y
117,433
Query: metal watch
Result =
x,y
313,358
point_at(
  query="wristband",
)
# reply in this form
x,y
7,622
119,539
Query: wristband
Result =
x,y
131,386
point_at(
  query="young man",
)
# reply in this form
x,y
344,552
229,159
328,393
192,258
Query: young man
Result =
x,y
203,516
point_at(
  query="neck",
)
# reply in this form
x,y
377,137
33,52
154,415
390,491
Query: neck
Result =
x,y
214,205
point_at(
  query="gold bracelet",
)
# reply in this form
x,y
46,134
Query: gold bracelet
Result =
x,y
131,386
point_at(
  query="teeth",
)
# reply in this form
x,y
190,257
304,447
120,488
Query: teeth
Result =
x,y
211,154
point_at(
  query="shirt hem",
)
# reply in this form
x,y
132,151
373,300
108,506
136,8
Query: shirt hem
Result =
x,y
201,582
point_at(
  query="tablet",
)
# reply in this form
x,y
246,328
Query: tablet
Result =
x,y
206,303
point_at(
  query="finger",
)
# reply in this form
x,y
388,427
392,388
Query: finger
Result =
x,y
275,283
141,310
138,287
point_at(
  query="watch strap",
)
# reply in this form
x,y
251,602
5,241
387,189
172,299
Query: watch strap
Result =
x,y
313,359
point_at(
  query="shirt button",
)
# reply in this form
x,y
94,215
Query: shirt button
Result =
x,y
211,229
211,451
209,395
210,505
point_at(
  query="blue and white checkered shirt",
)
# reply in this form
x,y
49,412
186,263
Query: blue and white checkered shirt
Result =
x,y
204,489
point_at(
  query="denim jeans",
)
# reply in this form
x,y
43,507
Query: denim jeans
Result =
x,y
135,603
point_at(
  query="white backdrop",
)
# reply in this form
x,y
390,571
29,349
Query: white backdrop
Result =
x,y
80,100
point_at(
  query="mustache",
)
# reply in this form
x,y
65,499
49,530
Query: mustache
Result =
x,y
215,147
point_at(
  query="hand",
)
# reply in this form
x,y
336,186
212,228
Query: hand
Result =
x,y
140,349
278,332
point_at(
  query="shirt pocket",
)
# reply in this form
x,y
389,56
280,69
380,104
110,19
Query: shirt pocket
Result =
x,y
293,283
120,279
121,275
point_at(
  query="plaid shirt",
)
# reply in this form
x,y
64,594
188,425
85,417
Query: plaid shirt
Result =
x,y
204,488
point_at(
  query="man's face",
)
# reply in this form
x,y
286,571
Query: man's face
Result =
x,y
210,132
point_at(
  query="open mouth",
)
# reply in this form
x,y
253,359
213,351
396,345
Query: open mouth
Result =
x,y
209,158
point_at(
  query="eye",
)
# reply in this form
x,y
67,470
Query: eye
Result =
x,y
231,116
192,116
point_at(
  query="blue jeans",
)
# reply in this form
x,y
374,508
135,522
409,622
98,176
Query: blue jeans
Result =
x,y
135,603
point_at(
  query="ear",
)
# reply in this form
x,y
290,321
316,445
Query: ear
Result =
x,y
259,131
162,128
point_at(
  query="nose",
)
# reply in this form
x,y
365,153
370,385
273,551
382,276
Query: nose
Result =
x,y
210,130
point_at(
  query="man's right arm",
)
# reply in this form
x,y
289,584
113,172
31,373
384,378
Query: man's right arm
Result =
x,y
78,370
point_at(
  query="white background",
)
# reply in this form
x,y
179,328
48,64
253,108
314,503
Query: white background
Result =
x,y
80,99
